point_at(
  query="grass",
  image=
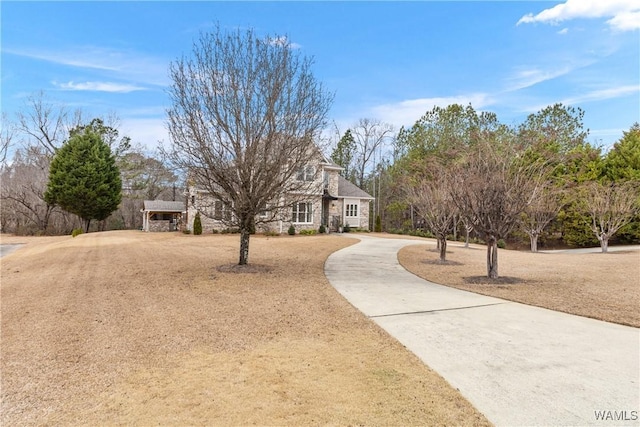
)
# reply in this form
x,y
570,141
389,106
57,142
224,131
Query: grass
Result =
x,y
596,285
132,328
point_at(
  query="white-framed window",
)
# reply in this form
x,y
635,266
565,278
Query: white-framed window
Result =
x,y
302,213
264,213
306,173
351,210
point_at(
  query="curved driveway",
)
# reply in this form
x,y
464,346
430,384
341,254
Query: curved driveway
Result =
x,y
518,364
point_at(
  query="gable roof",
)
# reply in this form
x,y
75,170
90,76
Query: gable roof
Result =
x,y
348,189
163,206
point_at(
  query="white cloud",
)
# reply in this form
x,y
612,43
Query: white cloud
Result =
x,y
563,31
98,87
283,41
623,13
626,21
405,113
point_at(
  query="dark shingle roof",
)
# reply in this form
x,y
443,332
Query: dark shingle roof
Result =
x,y
163,206
348,189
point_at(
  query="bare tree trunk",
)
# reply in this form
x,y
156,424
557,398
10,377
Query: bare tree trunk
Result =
x,y
533,237
492,258
86,227
244,246
443,248
604,243
466,237
455,228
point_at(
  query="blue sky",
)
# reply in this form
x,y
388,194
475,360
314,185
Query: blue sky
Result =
x,y
391,61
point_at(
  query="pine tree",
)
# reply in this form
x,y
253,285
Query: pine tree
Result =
x,y
84,179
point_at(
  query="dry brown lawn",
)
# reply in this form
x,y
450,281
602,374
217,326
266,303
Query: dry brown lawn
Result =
x,y
128,328
597,285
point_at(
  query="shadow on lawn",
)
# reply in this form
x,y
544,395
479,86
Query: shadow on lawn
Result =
x,y
484,280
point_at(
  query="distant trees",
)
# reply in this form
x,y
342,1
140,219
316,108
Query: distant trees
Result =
x,y
455,165
37,132
610,206
29,141
343,155
622,163
492,187
245,111
544,206
84,178
369,136
432,196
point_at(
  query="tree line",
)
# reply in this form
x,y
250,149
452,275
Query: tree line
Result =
x,y
36,202
457,169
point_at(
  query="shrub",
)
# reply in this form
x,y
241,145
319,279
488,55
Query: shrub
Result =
x,y
291,230
308,232
76,231
378,227
502,244
197,225
322,229
186,231
271,233
347,228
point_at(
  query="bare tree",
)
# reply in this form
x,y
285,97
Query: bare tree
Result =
x,y
431,195
545,204
369,136
611,206
44,122
492,187
7,136
22,191
244,115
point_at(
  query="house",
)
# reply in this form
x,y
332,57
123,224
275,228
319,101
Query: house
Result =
x,y
330,200
161,215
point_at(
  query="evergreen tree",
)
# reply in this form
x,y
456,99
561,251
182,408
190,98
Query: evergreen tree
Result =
x,y
622,163
197,225
84,178
342,155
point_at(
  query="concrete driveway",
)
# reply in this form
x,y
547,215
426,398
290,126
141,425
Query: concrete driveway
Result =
x,y
518,364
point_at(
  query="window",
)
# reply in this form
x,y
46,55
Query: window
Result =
x,y
221,211
217,210
352,210
306,173
264,213
302,213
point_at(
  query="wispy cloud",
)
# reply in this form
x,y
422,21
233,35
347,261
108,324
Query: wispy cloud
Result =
x,y
524,78
406,112
624,14
126,65
563,31
602,94
98,87
592,96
